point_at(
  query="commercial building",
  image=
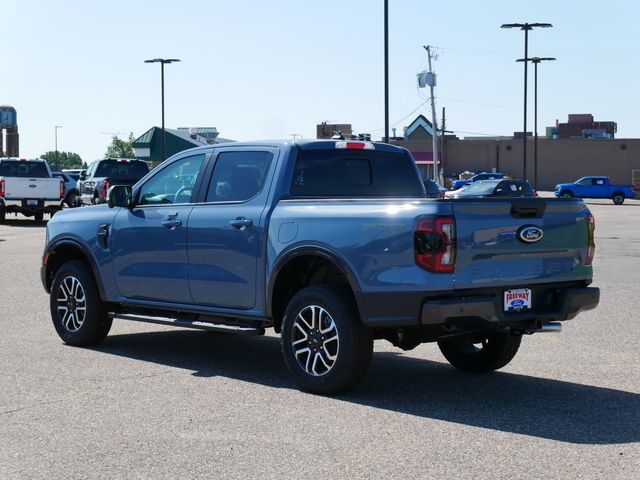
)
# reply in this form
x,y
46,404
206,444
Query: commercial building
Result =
x,y
559,159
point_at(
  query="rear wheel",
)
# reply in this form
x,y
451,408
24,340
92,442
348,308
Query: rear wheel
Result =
x,y
618,198
481,352
2,215
79,315
38,217
325,346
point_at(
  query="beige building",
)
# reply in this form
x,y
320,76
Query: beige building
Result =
x,y
559,160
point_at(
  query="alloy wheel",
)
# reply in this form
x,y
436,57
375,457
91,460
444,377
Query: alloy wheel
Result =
x,y
71,303
315,340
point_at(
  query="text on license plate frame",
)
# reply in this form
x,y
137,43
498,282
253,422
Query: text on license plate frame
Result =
x,y
517,299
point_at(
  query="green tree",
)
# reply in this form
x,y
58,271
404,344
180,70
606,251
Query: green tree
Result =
x,y
120,148
63,160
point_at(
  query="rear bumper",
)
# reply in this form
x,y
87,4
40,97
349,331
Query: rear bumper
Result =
x,y
486,310
22,205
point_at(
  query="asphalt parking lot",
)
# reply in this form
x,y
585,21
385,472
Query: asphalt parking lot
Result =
x,y
155,402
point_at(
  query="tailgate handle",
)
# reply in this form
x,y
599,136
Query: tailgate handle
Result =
x,y
528,209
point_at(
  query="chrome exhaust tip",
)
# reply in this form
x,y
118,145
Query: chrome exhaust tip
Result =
x,y
551,327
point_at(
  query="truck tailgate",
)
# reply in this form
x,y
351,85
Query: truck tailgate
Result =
x,y
496,248
18,188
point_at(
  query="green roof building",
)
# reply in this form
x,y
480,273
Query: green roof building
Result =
x,y
148,146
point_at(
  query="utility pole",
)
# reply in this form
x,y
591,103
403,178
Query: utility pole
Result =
x,y
442,145
434,126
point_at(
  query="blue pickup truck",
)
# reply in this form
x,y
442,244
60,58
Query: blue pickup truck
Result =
x,y
332,244
596,187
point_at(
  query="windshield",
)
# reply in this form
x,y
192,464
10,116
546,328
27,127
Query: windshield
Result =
x,y
120,169
481,187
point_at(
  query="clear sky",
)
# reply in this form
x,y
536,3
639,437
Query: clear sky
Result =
x,y
258,69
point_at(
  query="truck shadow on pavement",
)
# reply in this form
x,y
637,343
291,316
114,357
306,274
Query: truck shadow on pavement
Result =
x,y
539,407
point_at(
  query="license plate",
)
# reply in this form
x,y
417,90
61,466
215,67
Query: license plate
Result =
x,y
32,202
517,300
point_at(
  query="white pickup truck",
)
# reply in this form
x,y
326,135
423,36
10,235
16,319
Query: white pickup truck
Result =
x,y
29,188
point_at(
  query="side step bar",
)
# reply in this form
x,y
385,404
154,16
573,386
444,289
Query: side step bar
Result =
x,y
196,324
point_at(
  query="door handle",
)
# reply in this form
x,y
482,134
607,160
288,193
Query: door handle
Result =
x,y
241,223
171,223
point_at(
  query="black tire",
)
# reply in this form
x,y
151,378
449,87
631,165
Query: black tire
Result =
x,y
495,351
3,215
351,350
70,199
618,198
66,310
38,217
566,194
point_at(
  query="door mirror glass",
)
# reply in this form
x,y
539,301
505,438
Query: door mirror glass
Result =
x,y
119,196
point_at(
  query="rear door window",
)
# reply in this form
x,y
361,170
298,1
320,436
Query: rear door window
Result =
x,y
238,176
355,173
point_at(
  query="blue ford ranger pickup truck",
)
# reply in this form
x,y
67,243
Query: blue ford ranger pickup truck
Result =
x,y
331,243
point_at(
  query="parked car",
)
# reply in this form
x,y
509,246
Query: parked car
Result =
x,y
102,174
433,188
477,177
70,187
329,242
28,187
596,187
494,188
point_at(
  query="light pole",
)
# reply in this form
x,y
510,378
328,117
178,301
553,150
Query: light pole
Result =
x,y
55,128
535,61
526,27
162,61
386,71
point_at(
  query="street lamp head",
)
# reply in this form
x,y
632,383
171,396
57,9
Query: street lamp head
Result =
x,y
526,26
162,60
536,59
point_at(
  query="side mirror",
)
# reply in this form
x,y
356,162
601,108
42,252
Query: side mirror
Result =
x,y
83,176
119,196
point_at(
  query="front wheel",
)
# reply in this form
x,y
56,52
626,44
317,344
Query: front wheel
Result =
x,y
325,346
566,195
79,315
480,353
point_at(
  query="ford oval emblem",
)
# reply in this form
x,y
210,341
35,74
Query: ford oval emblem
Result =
x,y
529,234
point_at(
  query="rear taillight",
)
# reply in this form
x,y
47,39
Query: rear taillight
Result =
x,y
434,243
61,189
634,189
105,187
2,188
591,244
